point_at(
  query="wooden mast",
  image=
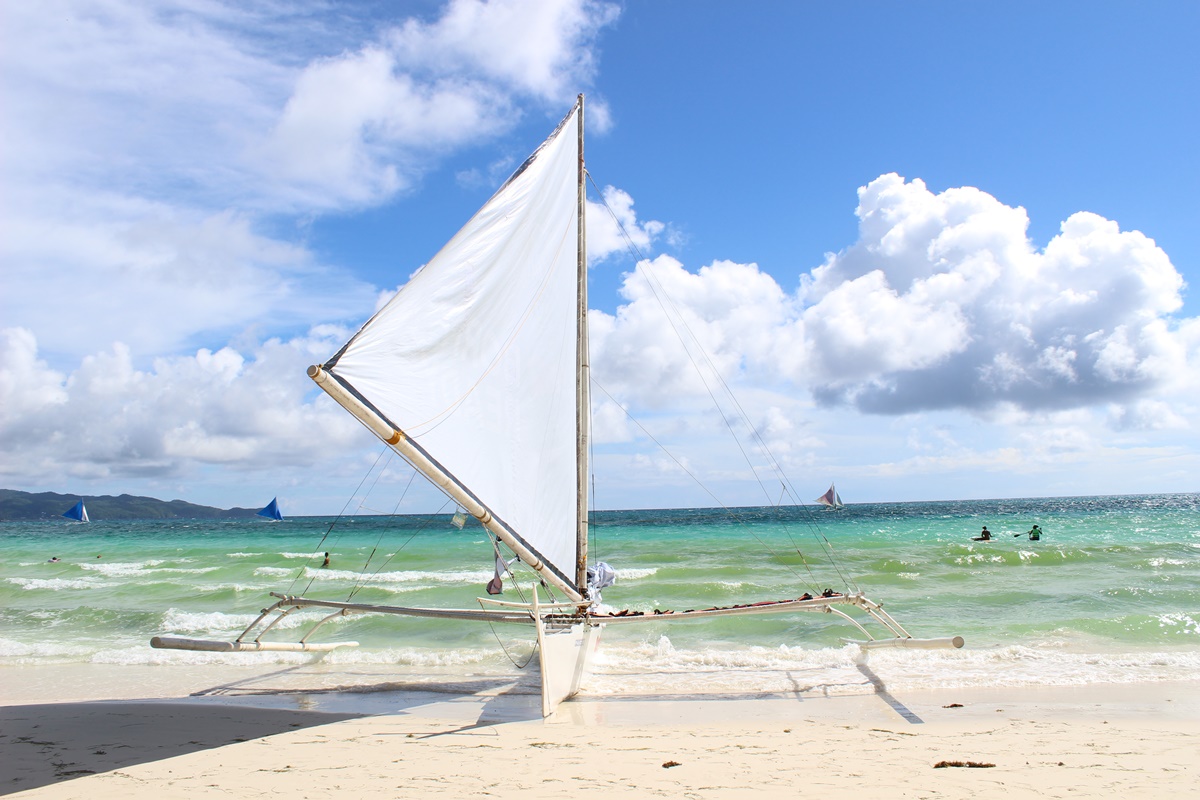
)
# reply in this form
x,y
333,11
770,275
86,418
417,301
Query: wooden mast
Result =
x,y
582,390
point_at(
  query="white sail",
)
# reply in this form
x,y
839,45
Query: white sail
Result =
x,y
474,359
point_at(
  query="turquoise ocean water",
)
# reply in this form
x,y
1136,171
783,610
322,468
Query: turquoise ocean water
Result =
x,y
1111,593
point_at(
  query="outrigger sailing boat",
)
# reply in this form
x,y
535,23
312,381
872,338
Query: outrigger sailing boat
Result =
x,y
77,512
831,499
476,372
271,510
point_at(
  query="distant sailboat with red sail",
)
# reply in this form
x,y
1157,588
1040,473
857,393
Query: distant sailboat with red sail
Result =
x,y
831,499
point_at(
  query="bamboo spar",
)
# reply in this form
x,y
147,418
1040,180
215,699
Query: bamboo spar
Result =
x,y
397,440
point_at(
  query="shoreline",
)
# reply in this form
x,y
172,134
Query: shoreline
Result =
x,y
213,737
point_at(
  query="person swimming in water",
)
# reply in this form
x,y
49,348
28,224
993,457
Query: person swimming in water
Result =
x,y
984,536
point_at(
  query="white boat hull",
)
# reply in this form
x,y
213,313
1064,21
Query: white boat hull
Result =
x,y
565,656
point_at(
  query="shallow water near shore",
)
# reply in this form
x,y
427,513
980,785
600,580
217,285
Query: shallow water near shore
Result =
x,y
1110,594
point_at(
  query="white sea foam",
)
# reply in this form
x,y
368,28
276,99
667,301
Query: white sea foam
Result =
x,y
86,582
633,574
405,576
401,662
413,657
180,571
243,555
1136,591
1184,622
140,569
275,571
141,655
120,569
218,623
656,667
39,652
1167,562
405,588
211,622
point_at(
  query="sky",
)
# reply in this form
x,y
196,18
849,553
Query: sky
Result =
x,y
938,250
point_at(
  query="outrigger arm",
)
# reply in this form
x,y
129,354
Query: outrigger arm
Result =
x,y
559,614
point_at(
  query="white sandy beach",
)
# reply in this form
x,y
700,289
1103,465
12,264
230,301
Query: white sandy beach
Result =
x,y
1135,740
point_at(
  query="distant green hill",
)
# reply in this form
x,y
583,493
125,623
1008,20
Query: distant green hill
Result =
x,y
16,505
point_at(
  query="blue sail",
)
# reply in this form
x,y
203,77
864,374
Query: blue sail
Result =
x,y
78,513
272,510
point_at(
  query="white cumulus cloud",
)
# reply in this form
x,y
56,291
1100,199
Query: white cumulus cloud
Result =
x,y
942,303
108,419
613,226
363,125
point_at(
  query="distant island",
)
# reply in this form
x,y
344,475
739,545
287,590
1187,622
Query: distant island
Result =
x,y
15,505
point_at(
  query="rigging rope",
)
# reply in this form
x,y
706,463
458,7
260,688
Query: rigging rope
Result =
x,y
496,544
361,580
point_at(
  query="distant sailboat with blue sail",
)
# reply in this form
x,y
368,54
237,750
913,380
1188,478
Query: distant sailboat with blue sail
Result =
x,y
77,512
272,510
831,499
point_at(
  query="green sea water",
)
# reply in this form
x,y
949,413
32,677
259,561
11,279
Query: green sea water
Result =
x,y
1110,593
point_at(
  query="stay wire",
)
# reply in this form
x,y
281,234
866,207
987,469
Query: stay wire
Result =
x,y
336,520
362,575
659,292
426,521
728,511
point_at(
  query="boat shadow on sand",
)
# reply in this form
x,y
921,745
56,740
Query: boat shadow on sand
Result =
x,y
53,742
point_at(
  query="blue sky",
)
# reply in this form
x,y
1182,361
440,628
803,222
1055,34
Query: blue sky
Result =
x,y
202,199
